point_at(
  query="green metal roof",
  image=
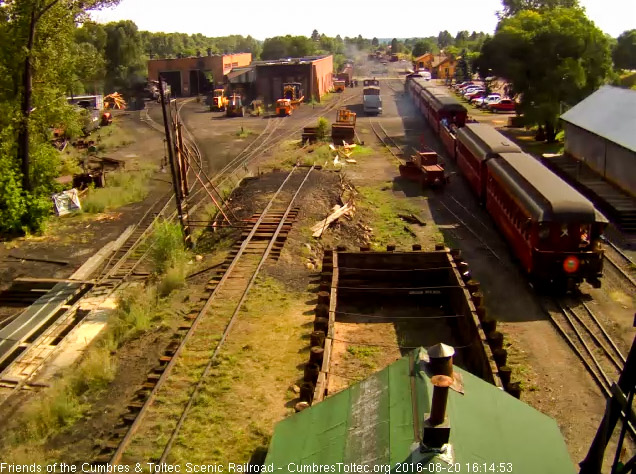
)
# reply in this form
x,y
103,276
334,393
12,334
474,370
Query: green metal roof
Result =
x,y
371,423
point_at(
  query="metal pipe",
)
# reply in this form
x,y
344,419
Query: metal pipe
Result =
x,y
441,383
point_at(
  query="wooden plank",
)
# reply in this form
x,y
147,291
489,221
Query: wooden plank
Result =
x,y
52,280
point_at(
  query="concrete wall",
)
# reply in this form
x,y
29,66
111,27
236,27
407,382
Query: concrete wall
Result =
x,y
613,162
218,65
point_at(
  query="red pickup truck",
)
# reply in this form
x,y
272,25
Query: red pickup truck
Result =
x,y
504,105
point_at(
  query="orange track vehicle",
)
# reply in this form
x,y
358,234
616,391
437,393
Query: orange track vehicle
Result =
x,y
283,107
425,168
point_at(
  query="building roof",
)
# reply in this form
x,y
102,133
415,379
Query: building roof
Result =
x,y
439,60
610,112
423,56
378,422
285,61
483,141
545,195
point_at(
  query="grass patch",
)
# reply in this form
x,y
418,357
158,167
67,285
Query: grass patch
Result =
x,y
246,370
168,249
384,208
65,401
365,354
136,311
244,132
169,257
121,188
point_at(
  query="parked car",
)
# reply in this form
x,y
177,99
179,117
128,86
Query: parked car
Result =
x,y
470,90
463,89
484,101
463,84
504,105
474,94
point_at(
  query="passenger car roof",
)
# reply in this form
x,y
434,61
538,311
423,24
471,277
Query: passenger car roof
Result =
x,y
546,196
484,141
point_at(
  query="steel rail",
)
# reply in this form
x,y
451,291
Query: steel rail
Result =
x,y
384,142
230,324
470,229
599,375
123,445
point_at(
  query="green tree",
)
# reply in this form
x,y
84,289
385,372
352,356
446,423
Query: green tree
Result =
x,y
125,64
461,38
512,7
549,58
315,36
624,53
37,67
422,47
462,72
375,42
395,46
444,39
23,18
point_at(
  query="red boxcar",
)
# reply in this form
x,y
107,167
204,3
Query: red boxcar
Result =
x,y
553,230
476,144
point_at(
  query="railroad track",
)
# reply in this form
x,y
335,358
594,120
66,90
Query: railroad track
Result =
x,y
203,334
586,336
621,263
388,142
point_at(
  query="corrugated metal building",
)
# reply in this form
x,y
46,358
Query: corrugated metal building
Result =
x,y
314,73
382,422
189,76
601,131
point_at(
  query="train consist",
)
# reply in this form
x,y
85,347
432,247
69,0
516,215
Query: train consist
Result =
x,y
551,228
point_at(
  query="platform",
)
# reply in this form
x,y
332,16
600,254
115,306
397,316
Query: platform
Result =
x,y
616,204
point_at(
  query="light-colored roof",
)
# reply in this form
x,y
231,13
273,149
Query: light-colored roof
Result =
x,y
484,141
610,112
545,195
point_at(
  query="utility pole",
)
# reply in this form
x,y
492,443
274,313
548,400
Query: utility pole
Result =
x,y
176,182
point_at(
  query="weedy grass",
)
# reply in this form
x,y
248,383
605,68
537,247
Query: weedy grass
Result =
x,y
121,188
383,208
246,392
244,132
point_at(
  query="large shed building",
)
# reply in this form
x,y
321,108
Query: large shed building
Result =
x,y
601,132
314,73
194,75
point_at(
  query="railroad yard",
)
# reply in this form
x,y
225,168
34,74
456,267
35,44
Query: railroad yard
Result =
x,y
226,357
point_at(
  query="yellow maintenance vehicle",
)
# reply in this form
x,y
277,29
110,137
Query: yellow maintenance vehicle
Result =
x,y
235,107
294,92
344,130
339,86
219,100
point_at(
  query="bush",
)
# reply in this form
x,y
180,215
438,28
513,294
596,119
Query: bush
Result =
x,y
167,246
322,128
136,310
